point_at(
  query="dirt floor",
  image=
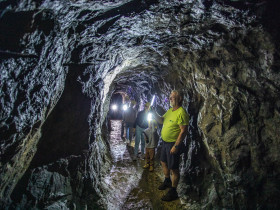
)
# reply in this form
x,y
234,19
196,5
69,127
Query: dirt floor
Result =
x,y
128,185
146,195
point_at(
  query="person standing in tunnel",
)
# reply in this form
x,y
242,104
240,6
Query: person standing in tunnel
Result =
x,y
141,124
174,130
124,109
151,138
129,117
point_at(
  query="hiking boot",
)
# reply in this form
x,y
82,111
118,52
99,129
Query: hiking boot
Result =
x,y
166,184
171,195
134,158
146,166
151,168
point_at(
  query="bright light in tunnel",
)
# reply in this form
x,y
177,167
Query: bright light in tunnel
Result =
x,y
150,116
153,100
125,107
114,107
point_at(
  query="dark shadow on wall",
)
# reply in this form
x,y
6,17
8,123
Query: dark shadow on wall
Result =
x,y
66,130
65,133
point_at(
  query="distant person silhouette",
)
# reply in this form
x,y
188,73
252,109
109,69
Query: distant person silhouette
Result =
x,y
129,118
141,124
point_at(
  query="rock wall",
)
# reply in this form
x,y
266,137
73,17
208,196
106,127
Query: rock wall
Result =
x,y
31,84
61,61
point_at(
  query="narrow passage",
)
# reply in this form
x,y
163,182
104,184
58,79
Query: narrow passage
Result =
x,y
129,186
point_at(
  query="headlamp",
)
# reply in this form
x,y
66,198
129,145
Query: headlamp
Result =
x,y
114,107
125,107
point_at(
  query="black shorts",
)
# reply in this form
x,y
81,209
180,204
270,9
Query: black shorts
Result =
x,y
172,160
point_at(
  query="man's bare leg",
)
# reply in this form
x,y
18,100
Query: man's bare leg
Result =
x,y
165,169
175,177
167,181
172,193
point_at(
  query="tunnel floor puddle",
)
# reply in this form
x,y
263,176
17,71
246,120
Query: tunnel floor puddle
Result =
x,y
128,185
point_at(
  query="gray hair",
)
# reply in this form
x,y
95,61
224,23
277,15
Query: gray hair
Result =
x,y
180,96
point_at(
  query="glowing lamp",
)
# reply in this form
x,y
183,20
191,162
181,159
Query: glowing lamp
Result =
x,y
150,117
114,107
125,107
153,100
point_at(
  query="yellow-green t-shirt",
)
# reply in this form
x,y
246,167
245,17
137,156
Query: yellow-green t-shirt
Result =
x,y
172,119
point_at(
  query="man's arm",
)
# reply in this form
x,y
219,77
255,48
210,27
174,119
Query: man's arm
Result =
x,y
158,118
180,138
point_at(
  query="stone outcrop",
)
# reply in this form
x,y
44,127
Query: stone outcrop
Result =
x,y
61,62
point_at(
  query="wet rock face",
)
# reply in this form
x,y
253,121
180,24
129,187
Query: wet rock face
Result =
x,y
61,61
31,82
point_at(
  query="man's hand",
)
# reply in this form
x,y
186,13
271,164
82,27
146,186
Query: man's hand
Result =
x,y
156,116
173,150
152,110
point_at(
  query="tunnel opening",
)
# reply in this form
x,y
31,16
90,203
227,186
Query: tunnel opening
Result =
x,y
116,107
138,84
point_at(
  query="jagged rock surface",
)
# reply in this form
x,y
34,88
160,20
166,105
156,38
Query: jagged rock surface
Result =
x,y
61,61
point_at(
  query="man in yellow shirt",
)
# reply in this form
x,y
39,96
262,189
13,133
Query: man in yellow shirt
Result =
x,y
175,122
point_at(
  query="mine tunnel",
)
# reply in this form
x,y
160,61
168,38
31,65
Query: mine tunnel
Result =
x,y
64,64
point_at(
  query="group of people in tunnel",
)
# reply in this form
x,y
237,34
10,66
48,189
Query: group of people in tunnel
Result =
x,y
145,133
174,129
